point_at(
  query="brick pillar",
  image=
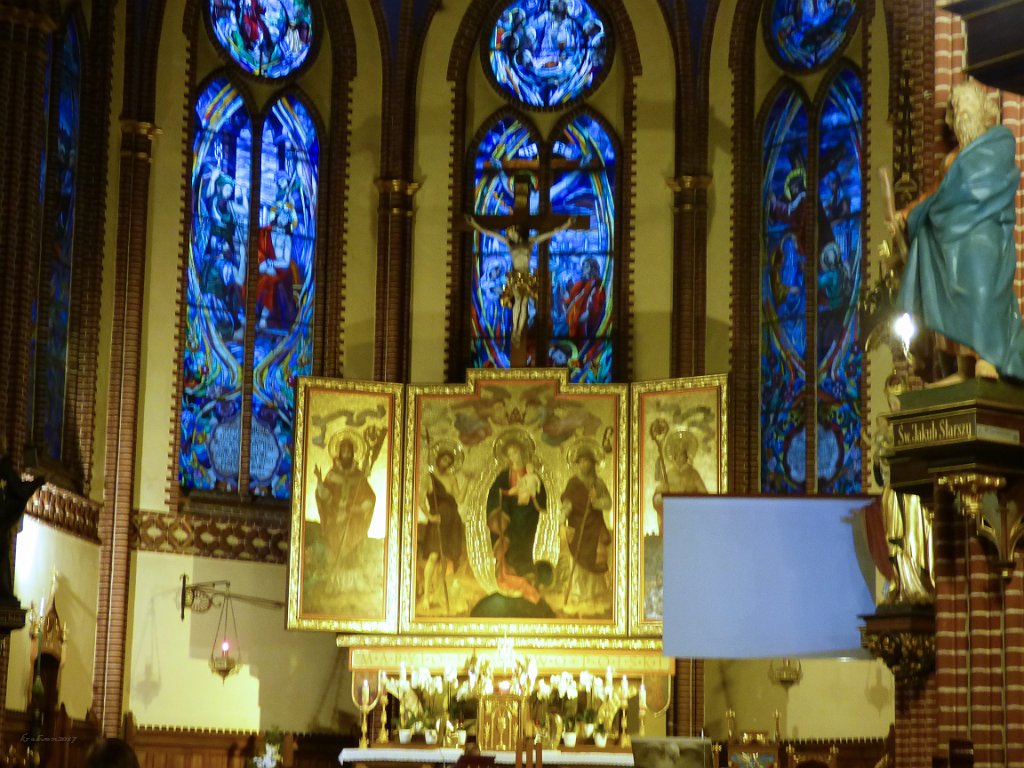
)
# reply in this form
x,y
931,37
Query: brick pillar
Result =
x,y
979,625
915,723
689,294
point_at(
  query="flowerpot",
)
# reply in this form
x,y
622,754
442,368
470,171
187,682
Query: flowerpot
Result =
x,y
600,740
430,736
569,739
588,729
460,737
404,735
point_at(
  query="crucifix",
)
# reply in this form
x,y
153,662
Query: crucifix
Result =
x,y
513,230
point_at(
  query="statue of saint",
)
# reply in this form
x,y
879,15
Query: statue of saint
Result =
x,y
958,277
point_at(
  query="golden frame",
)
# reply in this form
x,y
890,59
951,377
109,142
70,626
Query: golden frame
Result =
x,y
671,421
475,423
324,594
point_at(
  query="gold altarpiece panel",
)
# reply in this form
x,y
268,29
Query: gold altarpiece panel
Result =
x,y
515,485
344,561
677,446
516,508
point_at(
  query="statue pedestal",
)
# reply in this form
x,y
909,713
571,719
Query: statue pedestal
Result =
x,y
961,449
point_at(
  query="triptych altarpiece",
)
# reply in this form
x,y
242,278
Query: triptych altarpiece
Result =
x,y
516,505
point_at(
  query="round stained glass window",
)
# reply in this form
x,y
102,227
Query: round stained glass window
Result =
x,y
266,38
546,53
806,34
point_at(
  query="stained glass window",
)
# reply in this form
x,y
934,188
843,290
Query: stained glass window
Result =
x,y
546,53
786,207
581,262
839,278
806,34
820,221
289,176
505,143
267,38
211,407
64,159
580,265
286,177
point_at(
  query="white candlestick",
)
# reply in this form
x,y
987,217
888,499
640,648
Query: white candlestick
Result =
x,y
625,688
643,696
366,691
608,679
402,673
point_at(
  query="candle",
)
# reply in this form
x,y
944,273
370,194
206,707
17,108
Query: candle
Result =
x,y
643,696
366,691
504,686
625,688
402,673
608,679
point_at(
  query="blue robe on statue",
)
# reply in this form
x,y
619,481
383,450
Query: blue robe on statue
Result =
x,y
959,274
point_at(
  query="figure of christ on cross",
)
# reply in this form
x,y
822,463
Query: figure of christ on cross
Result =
x,y
514,231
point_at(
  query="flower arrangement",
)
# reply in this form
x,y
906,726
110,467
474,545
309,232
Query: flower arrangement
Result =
x,y
271,757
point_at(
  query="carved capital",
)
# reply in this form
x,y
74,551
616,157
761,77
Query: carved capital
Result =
x,y
909,655
970,489
689,181
1000,522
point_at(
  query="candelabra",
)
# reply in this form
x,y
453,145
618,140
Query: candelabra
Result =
x,y
365,705
382,688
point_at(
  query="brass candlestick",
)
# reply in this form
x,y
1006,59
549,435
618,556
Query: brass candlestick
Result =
x,y
365,706
382,737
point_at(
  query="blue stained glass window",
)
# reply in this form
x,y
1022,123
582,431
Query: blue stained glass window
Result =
x,y
65,165
581,262
289,179
787,239
215,313
268,38
805,34
545,53
839,251
491,323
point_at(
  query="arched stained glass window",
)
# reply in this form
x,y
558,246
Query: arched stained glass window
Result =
x,y
806,34
281,273
546,53
581,261
787,241
266,38
211,407
505,144
289,176
573,317
839,278
812,232
64,159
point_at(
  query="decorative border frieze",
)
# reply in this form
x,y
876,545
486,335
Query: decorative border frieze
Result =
x,y
205,535
66,512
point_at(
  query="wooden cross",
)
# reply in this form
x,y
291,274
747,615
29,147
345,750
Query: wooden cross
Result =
x,y
521,283
521,216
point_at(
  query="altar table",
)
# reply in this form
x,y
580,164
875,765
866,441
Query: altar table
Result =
x,y
402,757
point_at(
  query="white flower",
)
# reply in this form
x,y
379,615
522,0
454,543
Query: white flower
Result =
x,y
571,692
451,675
586,680
488,687
599,689
543,690
269,758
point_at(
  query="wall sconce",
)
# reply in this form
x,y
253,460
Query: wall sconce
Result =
x,y
200,597
787,674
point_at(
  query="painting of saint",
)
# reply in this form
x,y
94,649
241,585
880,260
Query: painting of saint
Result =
x,y
678,430
344,539
518,482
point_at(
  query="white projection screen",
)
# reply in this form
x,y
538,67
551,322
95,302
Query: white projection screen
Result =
x,y
756,577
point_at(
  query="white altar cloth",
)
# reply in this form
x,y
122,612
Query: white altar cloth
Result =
x,y
444,756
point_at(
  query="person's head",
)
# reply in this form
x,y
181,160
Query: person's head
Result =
x,y
111,753
590,269
445,459
585,462
971,112
227,189
514,453
345,454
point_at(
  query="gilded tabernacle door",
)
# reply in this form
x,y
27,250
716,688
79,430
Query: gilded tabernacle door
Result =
x,y
515,518
678,446
345,506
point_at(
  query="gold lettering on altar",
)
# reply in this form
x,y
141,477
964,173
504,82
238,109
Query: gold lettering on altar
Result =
x,y
933,429
548,660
